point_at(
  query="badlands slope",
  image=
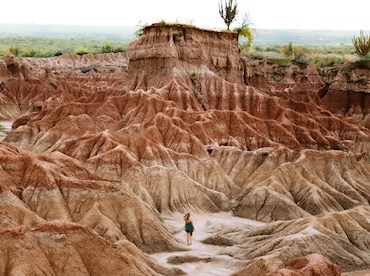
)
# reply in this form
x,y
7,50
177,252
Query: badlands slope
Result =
x,y
104,147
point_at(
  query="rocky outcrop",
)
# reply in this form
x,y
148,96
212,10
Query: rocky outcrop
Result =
x,y
152,135
343,90
164,52
29,85
347,92
279,184
285,79
314,264
62,248
112,152
68,63
342,237
35,189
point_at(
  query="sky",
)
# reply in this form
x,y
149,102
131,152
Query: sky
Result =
x,y
270,14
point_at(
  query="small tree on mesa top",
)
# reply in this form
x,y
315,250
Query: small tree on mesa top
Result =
x,y
361,44
228,12
245,30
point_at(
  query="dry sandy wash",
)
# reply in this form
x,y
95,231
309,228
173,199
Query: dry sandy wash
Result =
x,y
107,152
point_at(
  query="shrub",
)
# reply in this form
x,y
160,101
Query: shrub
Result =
x,y
106,48
119,49
29,53
15,50
162,22
82,51
288,49
245,30
361,44
109,48
283,62
362,79
328,61
301,54
362,64
140,29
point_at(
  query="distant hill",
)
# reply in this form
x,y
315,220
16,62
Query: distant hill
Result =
x,y
68,31
263,36
306,37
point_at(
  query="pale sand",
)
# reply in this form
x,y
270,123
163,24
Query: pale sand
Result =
x,y
205,226
357,273
7,127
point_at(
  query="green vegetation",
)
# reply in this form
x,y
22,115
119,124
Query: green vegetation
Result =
x,y
140,29
82,51
362,79
14,50
244,29
228,12
320,56
360,64
175,23
109,48
321,48
362,45
39,46
287,50
141,26
302,54
283,62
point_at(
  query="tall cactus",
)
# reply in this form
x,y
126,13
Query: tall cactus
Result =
x,y
228,12
361,44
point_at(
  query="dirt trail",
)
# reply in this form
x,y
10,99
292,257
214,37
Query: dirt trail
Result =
x,y
214,259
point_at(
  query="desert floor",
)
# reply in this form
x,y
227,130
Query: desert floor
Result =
x,y
201,258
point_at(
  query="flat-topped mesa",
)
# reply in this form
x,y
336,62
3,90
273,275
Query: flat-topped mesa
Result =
x,y
167,51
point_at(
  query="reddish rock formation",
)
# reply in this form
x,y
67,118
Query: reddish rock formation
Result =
x,y
164,52
348,92
29,85
42,188
62,248
113,151
342,237
310,265
315,265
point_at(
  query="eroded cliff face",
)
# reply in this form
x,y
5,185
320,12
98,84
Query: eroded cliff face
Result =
x,y
343,90
165,52
29,85
181,131
347,91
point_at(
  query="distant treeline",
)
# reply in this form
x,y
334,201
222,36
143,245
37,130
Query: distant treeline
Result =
x,y
32,40
127,33
68,31
40,46
321,47
306,37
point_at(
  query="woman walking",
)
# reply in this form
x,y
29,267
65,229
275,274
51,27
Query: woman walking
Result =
x,y
189,228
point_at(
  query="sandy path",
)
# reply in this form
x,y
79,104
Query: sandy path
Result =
x,y
216,261
5,128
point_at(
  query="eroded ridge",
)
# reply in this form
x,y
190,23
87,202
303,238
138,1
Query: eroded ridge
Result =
x,y
103,146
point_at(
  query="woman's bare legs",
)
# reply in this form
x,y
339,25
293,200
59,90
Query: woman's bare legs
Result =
x,y
188,238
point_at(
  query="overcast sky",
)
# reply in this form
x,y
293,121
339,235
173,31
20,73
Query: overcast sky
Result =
x,y
273,14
